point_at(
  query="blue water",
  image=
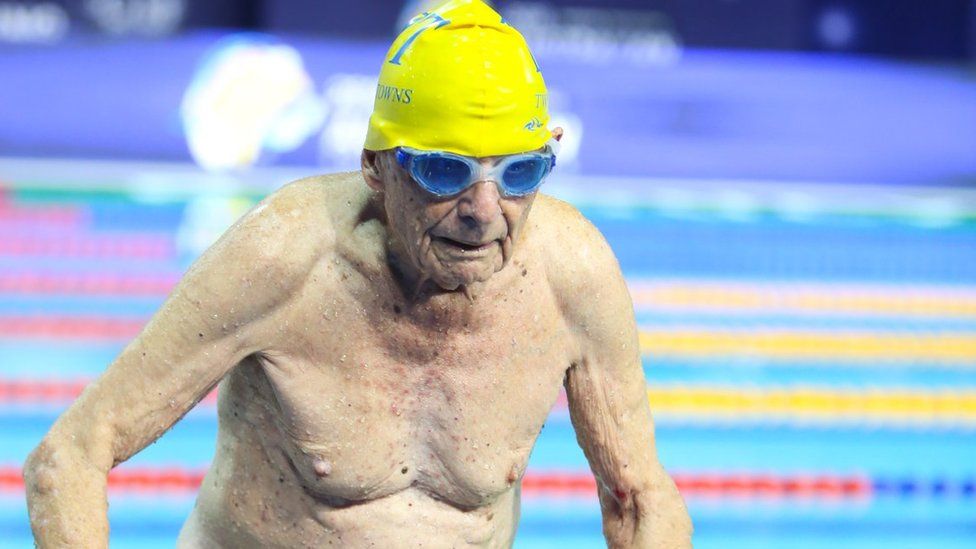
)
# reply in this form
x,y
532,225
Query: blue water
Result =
x,y
649,244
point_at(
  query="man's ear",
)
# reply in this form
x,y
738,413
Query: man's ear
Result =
x,y
369,163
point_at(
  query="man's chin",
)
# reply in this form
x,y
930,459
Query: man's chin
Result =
x,y
450,272
451,279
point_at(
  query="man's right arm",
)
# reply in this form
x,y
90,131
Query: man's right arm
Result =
x,y
212,319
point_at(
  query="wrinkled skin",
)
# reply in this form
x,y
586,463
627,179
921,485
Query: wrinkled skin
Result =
x,y
428,231
388,361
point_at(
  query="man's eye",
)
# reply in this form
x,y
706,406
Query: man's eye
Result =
x,y
447,166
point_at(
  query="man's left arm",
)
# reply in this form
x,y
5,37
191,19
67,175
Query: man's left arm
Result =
x,y
609,407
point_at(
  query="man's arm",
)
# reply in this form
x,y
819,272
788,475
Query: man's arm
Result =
x,y
608,395
210,321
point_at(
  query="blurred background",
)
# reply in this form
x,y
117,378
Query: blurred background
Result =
x,y
788,184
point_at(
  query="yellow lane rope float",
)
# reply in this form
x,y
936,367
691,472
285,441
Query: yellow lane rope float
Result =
x,y
808,298
958,348
873,405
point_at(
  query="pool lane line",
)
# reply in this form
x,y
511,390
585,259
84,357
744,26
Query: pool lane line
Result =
x,y
64,215
48,392
904,302
131,246
845,299
89,284
86,328
826,486
840,345
803,297
159,480
716,404
799,404
660,371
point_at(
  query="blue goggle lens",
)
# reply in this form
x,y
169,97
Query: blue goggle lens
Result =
x,y
523,176
442,175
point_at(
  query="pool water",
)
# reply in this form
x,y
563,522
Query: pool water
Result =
x,y
810,354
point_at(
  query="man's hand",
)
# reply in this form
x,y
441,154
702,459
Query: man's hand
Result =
x,y
206,326
608,395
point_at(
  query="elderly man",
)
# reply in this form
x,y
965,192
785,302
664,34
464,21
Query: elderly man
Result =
x,y
390,341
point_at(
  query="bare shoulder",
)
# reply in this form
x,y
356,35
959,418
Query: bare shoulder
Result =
x,y
301,220
579,260
585,279
275,233
276,244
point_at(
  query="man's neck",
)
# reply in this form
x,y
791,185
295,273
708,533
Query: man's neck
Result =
x,y
418,287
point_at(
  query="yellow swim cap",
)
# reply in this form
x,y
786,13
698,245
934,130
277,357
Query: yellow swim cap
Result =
x,y
460,79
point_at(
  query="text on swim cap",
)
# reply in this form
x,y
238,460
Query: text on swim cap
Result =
x,y
427,20
393,93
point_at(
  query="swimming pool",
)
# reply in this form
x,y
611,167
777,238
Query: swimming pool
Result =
x,y
810,351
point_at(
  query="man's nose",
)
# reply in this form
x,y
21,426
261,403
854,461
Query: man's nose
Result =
x,y
480,203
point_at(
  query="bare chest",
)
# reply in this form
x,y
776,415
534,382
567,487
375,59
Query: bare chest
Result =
x,y
373,401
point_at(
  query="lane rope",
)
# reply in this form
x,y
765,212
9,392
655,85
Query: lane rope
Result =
x,y
945,348
846,298
158,480
945,408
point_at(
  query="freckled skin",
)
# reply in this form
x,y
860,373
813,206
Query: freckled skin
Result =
x,y
380,387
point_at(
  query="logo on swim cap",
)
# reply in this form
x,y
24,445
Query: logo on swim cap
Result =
x,y
460,79
533,124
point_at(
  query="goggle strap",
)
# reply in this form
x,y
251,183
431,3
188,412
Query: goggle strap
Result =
x,y
402,158
554,146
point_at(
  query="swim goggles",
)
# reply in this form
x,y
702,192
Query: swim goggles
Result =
x,y
446,174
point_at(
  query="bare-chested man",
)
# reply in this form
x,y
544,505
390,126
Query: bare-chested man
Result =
x,y
390,341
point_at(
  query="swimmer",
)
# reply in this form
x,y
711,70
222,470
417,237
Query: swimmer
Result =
x,y
388,342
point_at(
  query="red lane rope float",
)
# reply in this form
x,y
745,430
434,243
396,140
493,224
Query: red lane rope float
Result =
x,y
54,391
139,246
87,328
569,484
54,215
40,392
774,486
717,485
159,480
142,480
88,284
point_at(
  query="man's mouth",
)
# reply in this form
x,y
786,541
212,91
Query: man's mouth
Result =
x,y
470,247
